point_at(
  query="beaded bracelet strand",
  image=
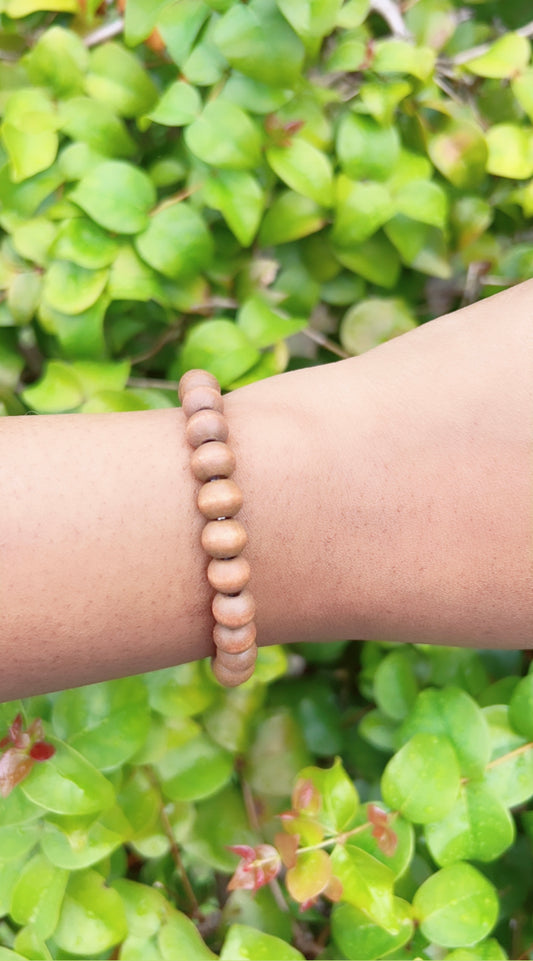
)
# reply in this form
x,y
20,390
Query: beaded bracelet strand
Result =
x,y
223,537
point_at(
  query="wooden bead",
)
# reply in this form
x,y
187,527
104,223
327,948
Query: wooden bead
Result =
x,y
223,538
206,425
234,641
234,669
202,398
212,460
196,378
234,611
220,498
230,576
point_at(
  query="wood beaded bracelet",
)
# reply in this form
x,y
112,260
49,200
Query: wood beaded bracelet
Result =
x,y
223,537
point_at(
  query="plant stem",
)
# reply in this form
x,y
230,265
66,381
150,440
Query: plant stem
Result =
x,y
104,33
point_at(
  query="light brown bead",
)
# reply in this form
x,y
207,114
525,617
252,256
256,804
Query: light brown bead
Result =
x,y
234,611
230,576
234,641
196,378
234,669
223,538
212,460
206,425
201,398
219,498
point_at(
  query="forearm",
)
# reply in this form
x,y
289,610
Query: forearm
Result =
x,y
387,497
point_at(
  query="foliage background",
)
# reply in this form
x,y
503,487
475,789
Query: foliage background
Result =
x,y
252,187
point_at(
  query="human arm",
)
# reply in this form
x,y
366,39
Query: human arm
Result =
x,y
389,496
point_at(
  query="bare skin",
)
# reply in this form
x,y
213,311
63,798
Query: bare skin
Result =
x,y
386,497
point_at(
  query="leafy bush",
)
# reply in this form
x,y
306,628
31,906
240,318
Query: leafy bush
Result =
x,y
246,187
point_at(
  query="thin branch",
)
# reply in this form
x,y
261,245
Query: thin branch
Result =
x,y
511,754
325,342
104,33
390,12
481,48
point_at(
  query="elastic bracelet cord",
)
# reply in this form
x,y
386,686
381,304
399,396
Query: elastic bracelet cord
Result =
x,y
223,537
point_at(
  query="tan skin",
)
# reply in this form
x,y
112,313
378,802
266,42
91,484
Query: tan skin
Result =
x,y
389,496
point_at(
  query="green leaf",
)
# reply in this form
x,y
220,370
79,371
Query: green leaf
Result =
x,y
92,917
289,217
117,78
305,169
59,389
369,323
241,200
29,132
478,828
131,279
309,876
67,783
422,780
80,335
179,692
510,151
146,908
276,755
366,884
505,58
176,242
96,125
198,769
117,196
70,288
509,774
522,88
361,209
453,713
365,149
32,239
460,154
489,950
456,906
381,99
225,136
179,105
205,65
17,840
521,707
23,296
105,722
221,347
423,200
76,843
252,95
375,259
420,246
265,326
395,685
400,56
58,60
405,835
38,895
339,800
362,939
22,8
228,721
258,41
220,821
179,24
242,943
180,938
85,243
140,19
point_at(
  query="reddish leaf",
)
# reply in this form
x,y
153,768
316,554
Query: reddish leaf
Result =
x,y
306,798
333,889
255,871
14,766
287,845
41,751
310,876
382,831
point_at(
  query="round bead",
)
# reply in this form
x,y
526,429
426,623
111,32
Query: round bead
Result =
x,y
234,669
234,611
230,576
206,425
223,538
202,398
212,460
196,378
234,641
220,498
